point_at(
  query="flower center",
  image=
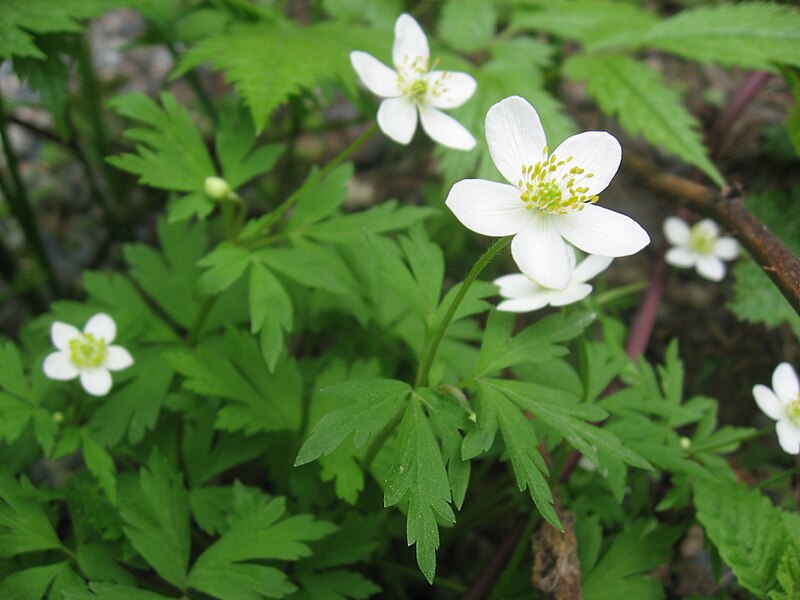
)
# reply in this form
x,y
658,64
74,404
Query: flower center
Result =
x,y
552,194
702,238
87,351
793,410
410,79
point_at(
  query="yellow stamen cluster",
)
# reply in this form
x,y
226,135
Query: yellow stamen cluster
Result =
x,y
410,78
542,190
793,410
87,351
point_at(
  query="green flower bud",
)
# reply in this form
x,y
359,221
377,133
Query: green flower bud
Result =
x,y
217,188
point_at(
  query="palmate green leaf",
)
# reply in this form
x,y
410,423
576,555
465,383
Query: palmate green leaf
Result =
x,y
100,464
368,406
110,591
339,584
747,530
537,343
496,410
156,514
20,20
270,312
514,69
593,23
24,526
261,532
418,473
32,582
382,13
751,35
266,62
623,570
235,144
788,575
634,94
467,25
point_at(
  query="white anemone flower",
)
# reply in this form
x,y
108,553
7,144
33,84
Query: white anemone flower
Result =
x,y
551,197
413,87
86,354
699,246
523,294
782,404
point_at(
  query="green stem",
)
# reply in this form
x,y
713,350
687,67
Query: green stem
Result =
x,y
19,203
429,353
619,292
780,477
194,82
321,174
700,447
200,320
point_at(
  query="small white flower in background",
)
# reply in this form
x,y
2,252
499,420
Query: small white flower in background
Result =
x,y
524,294
86,354
411,87
551,197
782,404
699,246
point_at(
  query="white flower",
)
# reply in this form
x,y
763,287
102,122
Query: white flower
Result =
x,y
87,355
699,246
524,294
551,197
782,404
411,86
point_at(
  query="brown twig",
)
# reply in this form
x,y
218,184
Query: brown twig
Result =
x,y
727,207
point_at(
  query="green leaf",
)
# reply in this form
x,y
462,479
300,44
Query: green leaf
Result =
x,y
224,265
467,25
418,472
259,400
537,343
593,23
19,402
381,13
239,159
522,446
788,575
635,94
320,198
170,154
270,312
757,300
338,584
110,591
623,570
21,19
258,533
30,583
24,526
49,77
368,407
750,35
156,513
386,217
267,62
747,530
100,464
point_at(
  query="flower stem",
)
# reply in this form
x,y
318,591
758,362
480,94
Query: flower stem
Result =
x,y
429,352
321,174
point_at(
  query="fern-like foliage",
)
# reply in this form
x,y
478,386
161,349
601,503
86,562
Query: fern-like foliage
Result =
x,y
267,62
634,94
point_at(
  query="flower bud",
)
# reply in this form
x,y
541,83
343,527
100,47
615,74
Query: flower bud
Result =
x,y
217,188
58,417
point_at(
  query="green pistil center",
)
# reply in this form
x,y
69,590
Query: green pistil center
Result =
x,y
87,351
418,88
551,187
793,410
702,239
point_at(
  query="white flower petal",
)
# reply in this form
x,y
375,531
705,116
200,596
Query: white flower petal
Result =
x,y
517,286
727,248
711,268
784,382
681,257
376,76
101,326
541,254
449,89
598,230
445,129
118,358
572,293
709,227
527,304
597,152
410,42
592,265
58,366
788,436
397,118
768,402
676,231
62,333
96,382
487,207
515,137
